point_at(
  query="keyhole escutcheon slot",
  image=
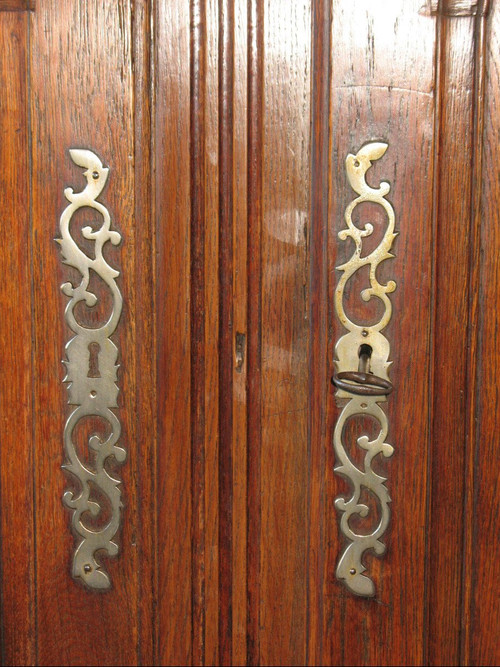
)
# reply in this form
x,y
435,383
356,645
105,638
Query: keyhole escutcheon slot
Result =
x,y
94,349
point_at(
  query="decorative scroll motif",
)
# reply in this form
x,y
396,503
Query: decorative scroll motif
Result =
x,y
91,376
363,353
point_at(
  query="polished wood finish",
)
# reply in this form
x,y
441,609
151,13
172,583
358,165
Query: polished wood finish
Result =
x,y
16,350
16,5
388,97
225,124
82,89
483,524
172,229
456,107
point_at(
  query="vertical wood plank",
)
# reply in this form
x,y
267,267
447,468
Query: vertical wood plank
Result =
x,y
82,96
382,89
254,320
319,362
482,645
453,178
145,342
240,331
284,330
226,350
16,5
214,572
197,117
173,214
17,552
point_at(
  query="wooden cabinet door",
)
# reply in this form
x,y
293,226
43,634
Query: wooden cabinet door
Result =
x,y
225,125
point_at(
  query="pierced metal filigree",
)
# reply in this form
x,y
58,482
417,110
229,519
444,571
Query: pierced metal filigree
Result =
x,y
362,357
91,376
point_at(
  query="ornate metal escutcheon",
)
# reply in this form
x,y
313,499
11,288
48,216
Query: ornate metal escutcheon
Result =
x,y
361,375
91,374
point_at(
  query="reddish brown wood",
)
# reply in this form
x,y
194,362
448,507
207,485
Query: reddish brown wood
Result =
x,y
482,645
254,322
82,95
319,361
384,91
145,340
17,558
284,330
452,233
241,333
216,583
197,321
172,160
16,5
226,343
226,125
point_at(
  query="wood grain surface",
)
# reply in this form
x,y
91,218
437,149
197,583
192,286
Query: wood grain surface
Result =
x,y
82,96
226,124
16,5
172,225
17,638
385,92
481,623
454,117
284,331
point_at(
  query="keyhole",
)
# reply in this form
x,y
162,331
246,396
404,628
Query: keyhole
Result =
x,y
364,353
94,349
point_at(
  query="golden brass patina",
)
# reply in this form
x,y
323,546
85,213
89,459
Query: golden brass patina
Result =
x,y
361,377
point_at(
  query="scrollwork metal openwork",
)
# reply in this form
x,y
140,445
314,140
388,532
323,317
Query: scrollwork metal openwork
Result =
x,y
93,391
363,353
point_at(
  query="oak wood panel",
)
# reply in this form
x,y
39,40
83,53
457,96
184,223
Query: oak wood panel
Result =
x,y
254,322
145,341
231,209
284,330
16,5
484,516
172,203
17,608
198,296
217,580
319,360
452,282
226,329
240,333
382,88
82,96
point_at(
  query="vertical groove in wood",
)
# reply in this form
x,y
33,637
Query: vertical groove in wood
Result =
x,y
474,331
254,318
452,192
214,576
226,74
481,641
17,546
240,332
197,317
438,43
473,349
473,376
145,272
34,583
318,344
